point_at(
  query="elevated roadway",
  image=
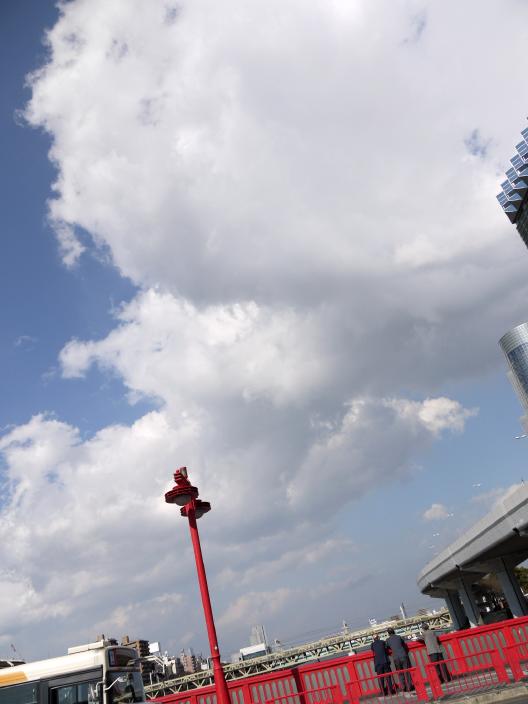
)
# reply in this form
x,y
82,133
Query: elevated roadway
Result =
x,y
493,545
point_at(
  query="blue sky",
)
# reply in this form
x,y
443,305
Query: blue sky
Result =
x,y
273,253
47,303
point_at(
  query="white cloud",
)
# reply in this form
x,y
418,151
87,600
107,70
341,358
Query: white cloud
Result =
x,y
168,348
25,342
493,498
141,614
81,514
70,247
435,512
237,367
317,554
230,154
73,510
374,443
435,414
213,157
256,607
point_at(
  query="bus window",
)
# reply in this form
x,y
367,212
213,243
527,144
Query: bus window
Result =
x,y
88,693
64,695
85,693
19,694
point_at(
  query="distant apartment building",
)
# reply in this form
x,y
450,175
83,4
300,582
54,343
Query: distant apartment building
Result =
x,y
142,648
189,661
514,344
513,197
175,667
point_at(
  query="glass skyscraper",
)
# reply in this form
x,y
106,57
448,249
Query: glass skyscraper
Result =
x,y
513,197
514,344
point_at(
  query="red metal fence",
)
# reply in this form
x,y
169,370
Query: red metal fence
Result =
x,y
476,659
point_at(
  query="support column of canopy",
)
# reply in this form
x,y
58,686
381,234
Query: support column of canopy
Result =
x,y
456,611
467,597
511,589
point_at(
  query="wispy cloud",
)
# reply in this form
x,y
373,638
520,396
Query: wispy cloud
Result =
x,y
476,144
418,24
436,512
25,342
493,498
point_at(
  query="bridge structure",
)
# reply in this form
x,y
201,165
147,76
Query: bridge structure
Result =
x,y
331,646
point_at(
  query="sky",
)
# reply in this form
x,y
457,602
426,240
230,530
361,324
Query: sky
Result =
x,y
261,241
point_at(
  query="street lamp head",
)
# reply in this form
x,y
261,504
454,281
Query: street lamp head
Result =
x,y
181,495
183,492
200,507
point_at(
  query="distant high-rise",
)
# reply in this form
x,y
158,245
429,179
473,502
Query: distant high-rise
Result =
x,y
514,344
258,635
514,195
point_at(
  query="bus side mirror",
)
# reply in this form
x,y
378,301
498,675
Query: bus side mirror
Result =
x,y
122,679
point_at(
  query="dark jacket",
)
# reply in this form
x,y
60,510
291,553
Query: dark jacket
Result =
x,y
398,647
381,656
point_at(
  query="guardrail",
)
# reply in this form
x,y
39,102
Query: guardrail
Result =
x,y
475,659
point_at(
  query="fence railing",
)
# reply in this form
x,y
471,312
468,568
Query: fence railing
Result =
x,y
475,659
321,695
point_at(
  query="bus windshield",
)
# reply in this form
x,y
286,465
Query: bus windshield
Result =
x,y
125,687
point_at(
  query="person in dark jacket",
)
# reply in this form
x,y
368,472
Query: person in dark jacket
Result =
x,y
400,658
382,665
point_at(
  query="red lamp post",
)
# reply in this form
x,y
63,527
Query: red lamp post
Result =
x,y
192,508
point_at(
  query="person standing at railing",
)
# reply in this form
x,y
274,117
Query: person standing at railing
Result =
x,y
382,665
435,653
400,658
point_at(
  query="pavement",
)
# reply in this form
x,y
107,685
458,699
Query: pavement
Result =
x,y
505,694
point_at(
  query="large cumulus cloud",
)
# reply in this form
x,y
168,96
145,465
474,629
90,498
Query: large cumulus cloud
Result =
x,y
295,156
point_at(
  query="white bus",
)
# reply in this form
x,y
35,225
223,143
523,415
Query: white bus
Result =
x,y
97,673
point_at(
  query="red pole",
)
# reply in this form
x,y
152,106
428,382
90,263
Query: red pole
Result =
x,y
222,692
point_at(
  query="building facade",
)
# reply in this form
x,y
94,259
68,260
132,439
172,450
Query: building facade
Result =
x,y
514,344
258,635
189,661
513,197
142,649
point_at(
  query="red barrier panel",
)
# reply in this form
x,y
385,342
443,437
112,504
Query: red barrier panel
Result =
x,y
515,656
476,657
450,676
321,695
400,686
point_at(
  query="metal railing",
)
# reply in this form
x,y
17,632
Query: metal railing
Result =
x,y
279,660
475,660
